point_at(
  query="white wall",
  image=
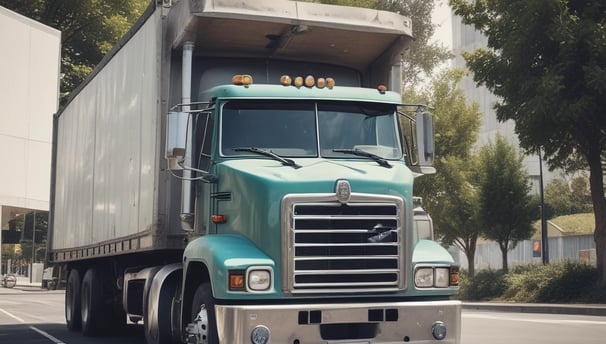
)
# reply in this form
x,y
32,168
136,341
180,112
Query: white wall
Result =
x,y
29,89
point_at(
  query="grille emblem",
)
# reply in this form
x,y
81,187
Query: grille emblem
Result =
x,y
343,190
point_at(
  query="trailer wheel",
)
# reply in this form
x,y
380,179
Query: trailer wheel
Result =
x,y
72,301
94,311
203,326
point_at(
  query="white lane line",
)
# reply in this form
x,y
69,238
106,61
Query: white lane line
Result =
x,y
33,328
57,341
12,316
535,320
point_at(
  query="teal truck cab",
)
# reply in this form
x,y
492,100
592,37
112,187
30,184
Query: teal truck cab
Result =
x,y
242,172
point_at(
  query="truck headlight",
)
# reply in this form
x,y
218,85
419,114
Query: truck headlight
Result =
x,y
424,277
259,280
442,277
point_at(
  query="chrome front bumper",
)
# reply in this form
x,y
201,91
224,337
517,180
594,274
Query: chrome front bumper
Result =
x,y
356,323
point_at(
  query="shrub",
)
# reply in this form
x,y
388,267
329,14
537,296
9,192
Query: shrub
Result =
x,y
566,282
485,285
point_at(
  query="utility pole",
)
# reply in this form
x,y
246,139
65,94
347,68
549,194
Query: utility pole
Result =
x,y
31,269
544,237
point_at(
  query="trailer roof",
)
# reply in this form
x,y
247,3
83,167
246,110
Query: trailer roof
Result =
x,y
290,30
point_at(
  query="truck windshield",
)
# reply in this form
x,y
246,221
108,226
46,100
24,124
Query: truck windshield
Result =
x,y
310,129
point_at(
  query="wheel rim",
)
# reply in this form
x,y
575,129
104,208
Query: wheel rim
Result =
x,y
197,331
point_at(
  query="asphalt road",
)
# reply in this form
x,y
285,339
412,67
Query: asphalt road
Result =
x,y
36,317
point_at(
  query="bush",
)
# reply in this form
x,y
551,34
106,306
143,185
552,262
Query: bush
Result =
x,y
485,285
567,282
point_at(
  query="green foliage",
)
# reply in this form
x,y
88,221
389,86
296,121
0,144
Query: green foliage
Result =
x,y
485,285
561,199
89,28
576,224
566,282
506,209
449,196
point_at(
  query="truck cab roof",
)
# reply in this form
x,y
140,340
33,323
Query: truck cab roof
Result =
x,y
264,91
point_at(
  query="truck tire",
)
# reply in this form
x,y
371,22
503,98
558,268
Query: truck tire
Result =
x,y
162,331
72,301
94,311
203,310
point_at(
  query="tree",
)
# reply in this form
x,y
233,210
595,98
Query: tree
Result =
x,y
505,207
546,64
89,29
423,55
449,195
562,199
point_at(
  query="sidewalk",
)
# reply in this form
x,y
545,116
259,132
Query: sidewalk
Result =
x,y
546,308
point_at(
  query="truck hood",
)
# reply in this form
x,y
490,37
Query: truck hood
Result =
x,y
249,191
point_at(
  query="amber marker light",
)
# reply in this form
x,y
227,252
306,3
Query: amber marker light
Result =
x,y
299,81
309,81
285,80
236,280
321,82
330,82
382,88
454,276
244,80
219,218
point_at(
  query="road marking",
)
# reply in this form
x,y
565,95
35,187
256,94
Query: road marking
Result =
x,y
33,328
57,341
12,316
535,320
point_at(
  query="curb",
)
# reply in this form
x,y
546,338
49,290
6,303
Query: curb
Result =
x,y
571,309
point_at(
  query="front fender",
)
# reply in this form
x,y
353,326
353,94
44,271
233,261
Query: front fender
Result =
x,y
221,253
428,253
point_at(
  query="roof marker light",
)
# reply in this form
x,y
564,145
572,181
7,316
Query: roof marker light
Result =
x,y
285,80
309,81
299,81
382,89
321,82
242,80
330,82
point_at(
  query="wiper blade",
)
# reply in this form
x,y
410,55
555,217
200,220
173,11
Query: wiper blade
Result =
x,y
284,161
366,154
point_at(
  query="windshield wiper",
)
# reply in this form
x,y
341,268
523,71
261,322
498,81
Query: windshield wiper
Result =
x,y
366,154
284,161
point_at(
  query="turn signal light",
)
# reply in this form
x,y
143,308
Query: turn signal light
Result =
x,y
219,218
236,280
454,276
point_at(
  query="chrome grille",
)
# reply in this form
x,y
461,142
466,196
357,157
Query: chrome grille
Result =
x,y
345,247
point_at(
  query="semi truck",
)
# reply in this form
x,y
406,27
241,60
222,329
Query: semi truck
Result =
x,y
242,172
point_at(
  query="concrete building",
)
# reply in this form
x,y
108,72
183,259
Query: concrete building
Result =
x,y
466,38
29,90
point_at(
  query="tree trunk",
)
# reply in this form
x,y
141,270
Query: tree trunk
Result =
x,y
504,249
596,184
471,264
470,253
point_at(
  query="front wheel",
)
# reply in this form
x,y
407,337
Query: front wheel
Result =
x,y
203,326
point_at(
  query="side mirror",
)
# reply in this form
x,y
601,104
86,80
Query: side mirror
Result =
x,y
176,138
425,143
